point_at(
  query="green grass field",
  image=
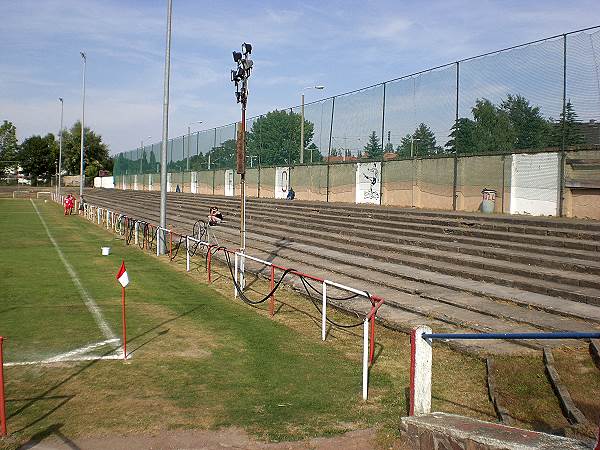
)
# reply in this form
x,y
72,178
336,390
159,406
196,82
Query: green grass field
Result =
x,y
202,360
198,359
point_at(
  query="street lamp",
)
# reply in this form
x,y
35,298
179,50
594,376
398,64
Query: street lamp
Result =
x,y
62,105
302,124
81,163
412,142
189,140
143,154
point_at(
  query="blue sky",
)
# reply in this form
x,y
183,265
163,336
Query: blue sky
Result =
x,y
343,45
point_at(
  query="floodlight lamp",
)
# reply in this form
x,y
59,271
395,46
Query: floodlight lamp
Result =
x,y
237,56
246,48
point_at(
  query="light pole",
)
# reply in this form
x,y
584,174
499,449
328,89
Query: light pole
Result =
x,y
240,77
142,154
81,163
302,124
62,108
165,130
251,158
412,143
189,140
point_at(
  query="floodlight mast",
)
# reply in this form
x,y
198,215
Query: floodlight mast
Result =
x,y
240,76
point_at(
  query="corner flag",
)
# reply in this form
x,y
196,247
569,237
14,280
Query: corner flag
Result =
x,y
122,276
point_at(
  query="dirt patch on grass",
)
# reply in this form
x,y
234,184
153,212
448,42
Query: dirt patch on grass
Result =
x,y
170,335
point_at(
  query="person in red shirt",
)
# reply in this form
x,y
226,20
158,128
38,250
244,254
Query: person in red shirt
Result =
x,y
69,204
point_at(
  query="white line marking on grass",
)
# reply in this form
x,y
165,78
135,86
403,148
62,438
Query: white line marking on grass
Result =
x,y
79,351
75,359
85,295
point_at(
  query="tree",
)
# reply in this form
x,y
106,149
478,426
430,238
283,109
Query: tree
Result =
x,y
462,137
389,147
224,155
493,129
275,137
38,157
95,150
420,143
425,142
530,129
404,148
8,147
572,128
373,149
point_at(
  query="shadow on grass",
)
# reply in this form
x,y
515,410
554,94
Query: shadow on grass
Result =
x,y
45,395
52,430
469,407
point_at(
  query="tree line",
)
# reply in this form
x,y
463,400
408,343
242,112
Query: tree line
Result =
x,y
514,124
274,139
37,156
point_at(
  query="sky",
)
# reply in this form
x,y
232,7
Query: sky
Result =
x,y
343,45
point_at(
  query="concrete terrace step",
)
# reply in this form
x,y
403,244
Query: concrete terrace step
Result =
x,y
430,240
401,224
549,245
585,294
493,220
499,310
136,195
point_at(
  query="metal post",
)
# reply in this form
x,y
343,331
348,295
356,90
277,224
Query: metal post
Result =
x,y
561,166
329,151
302,131
455,176
235,276
187,253
187,166
81,163
62,107
324,313
165,131
365,365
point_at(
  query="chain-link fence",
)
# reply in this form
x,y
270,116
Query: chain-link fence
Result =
x,y
536,97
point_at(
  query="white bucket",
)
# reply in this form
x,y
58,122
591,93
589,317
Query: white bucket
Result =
x,y
105,251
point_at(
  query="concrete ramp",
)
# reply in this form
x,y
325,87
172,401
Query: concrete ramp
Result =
x,y
440,431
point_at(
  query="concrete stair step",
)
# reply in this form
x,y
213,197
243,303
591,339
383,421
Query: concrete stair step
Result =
x,y
515,294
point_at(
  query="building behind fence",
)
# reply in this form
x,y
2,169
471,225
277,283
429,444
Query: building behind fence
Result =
x,y
524,121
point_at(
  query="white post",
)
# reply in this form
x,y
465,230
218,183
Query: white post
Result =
x,y
242,268
187,253
137,226
235,276
420,372
324,313
365,368
107,218
158,245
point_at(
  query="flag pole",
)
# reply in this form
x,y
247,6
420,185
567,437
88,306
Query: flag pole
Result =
x,y
124,324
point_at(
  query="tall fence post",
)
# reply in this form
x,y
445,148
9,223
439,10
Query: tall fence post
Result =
x,y
329,149
382,147
561,165
455,176
420,372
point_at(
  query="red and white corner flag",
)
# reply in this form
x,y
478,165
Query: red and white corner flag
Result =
x,y
122,276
